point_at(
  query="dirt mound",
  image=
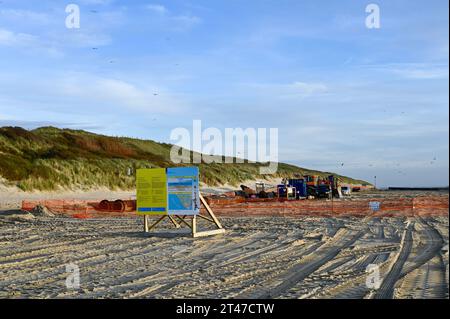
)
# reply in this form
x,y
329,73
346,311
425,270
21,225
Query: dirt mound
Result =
x,y
16,215
41,211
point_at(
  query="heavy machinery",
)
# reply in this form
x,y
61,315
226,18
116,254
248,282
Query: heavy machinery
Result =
x,y
346,191
261,191
264,191
300,186
285,191
323,191
317,187
335,186
294,188
308,186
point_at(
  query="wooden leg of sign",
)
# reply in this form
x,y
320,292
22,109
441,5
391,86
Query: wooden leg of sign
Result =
x,y
157,222
206,218
213,219
210,212
209,232
146,223
174,222
183,221
194,225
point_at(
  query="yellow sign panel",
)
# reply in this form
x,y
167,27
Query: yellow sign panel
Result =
x,y
151,191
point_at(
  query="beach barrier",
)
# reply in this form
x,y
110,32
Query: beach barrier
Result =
x,y
391,207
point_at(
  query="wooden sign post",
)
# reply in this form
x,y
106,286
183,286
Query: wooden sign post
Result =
x,y
183,220
173,193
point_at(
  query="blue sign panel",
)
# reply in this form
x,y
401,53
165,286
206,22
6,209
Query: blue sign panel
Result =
x,y
374,206
183,191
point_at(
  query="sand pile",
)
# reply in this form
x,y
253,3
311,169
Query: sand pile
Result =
x,y
16,215
19,215
42,211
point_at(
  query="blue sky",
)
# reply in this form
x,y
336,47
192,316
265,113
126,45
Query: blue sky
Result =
x,y
375,100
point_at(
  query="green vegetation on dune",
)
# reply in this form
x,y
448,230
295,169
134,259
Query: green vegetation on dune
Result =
x,y
49,158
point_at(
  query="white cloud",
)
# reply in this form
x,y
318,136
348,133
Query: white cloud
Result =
x,y
418,71
177,22
422,73
79,97
28,43
53,43
44,32
186,20
13,39
25,16
84,39
308,88
294,90
96,2
160,9
117,93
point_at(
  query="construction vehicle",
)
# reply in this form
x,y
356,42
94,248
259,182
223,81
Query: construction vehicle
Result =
x,y
264,190
294,188
309,186
311,180
317,187
260,188
335,186
346,191
300,187
285,191
326,187
323,191
246,192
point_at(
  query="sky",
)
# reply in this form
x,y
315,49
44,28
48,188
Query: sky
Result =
x,y
345,98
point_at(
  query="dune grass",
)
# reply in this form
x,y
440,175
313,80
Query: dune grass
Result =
x,y
49,158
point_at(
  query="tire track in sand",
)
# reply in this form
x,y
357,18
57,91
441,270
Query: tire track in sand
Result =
x,y
386,290
310,263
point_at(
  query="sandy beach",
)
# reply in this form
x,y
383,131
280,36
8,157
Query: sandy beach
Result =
x,y
271,257
258,256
